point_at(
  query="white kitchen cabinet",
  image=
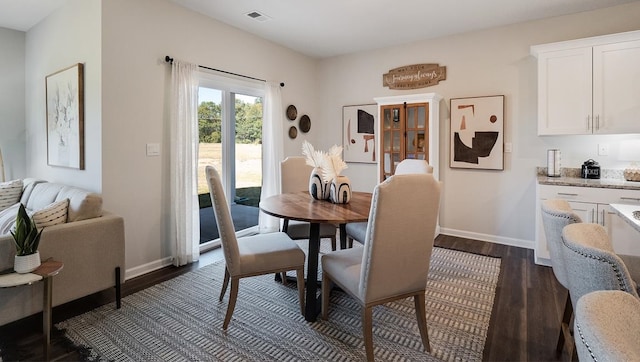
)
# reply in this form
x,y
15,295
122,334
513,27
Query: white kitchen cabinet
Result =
x,y
564,92
616,87
589,86
592,205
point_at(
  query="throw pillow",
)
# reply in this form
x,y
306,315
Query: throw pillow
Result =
x,y
52,214
8,218
10,192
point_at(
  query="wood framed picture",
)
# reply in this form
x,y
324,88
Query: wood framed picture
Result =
x,y
477,133
358,133
65,117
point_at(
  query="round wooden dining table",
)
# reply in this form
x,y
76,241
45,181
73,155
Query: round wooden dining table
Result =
x,y
302,207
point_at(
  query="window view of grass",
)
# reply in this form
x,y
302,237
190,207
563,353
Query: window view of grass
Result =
x,y
248,172
247,144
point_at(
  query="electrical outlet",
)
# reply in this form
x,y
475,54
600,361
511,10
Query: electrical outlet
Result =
x,y
603,149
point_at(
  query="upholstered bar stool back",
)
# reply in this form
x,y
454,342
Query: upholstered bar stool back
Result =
x,y
591,263
556,214
607,327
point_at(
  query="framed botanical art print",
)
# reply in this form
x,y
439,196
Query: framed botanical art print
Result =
x,y
65,117
358,135
477,133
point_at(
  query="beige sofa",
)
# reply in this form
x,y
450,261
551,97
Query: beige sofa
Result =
x,y
90,244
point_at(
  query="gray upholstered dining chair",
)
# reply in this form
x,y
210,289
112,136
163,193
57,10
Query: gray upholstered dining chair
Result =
x,y
591,263
556,214
294,175
394,261
607,326
357,230
253,255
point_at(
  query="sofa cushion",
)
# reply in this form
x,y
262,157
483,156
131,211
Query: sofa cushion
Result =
x,y
10,192
27,186
53,214
8,218
82,204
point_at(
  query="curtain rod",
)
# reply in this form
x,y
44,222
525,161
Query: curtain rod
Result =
x,y
169,60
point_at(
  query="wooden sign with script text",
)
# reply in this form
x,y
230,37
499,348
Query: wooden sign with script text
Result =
x,y
414,76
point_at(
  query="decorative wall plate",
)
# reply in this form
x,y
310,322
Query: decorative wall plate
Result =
x,y
293,132
305,124
292,112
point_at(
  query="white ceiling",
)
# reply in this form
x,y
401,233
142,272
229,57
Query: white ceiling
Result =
x,y
23,14
334,27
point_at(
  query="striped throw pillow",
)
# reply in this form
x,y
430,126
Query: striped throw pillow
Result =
x,y
8,218
52,214
10,192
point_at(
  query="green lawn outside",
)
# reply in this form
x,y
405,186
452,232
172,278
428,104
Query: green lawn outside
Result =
x,y
248,172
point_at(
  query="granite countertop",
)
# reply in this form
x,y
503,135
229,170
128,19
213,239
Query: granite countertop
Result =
x,y
569,177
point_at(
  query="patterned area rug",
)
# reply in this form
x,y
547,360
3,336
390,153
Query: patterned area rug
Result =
x,y
181,320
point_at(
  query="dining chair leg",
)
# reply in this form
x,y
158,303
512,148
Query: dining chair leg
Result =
x,y
235,283
367,331
333,243
421,315
300,281
326,291
225,283
283,276
349,242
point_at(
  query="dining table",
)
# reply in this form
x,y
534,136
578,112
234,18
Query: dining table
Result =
x,y
302,206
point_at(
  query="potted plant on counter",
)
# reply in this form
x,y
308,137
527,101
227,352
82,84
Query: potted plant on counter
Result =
x,y
26,237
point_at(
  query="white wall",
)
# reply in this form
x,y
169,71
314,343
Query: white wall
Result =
x,y
487,205
70,35
136,37
123,44
12,105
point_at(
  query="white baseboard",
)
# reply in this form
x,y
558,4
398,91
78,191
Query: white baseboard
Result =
x,y
147,268
527,244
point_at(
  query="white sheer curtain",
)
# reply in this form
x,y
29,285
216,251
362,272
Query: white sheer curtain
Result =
x,y
272,151
184,217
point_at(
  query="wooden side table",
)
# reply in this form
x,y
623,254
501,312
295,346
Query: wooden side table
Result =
x,y
46,271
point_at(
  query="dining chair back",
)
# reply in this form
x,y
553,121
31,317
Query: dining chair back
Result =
x,y
556,214
409,165
252,255
294,175
357,230
394,261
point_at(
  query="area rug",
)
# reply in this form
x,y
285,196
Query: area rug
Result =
x,y
181,320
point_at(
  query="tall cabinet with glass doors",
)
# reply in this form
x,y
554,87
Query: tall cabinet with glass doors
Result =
x,y
408,129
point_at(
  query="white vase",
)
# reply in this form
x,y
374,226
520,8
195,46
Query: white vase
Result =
x,y
318,189
340,190
26,263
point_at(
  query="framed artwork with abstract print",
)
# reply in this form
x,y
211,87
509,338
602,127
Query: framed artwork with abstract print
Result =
x,y
358,135
477,133
65,117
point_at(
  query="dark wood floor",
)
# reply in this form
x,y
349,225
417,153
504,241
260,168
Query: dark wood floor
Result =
x,y
524,322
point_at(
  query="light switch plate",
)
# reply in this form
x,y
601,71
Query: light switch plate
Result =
x,y
153,149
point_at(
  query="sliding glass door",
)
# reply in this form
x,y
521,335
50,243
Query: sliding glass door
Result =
x,y
230,139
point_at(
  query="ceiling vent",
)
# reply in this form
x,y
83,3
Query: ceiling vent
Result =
x,y
258,16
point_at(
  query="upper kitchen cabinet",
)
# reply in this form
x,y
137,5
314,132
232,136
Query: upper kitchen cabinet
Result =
x,y
589,86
